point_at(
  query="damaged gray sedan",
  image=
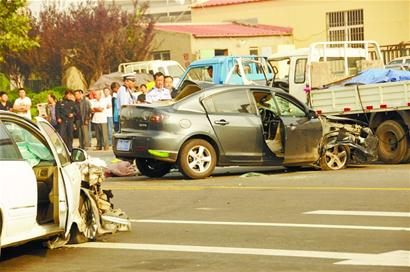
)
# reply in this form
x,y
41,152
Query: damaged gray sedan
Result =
x,y
237,126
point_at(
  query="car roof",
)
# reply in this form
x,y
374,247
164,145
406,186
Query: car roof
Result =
x,y
16,116
222,88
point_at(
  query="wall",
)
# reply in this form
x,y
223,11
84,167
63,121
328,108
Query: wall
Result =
x,y
178,43
240,45
387,22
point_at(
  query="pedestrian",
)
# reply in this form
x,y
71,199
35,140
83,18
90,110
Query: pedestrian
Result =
x,y
143,96
99,120
22,104
5,104
91,97
83,118
124,95
51,110
108,112
169,85
66,113
158,92
115,86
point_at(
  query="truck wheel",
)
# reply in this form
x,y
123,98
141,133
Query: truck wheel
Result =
x,y
335,158
152,168
392,142
91,226
197,159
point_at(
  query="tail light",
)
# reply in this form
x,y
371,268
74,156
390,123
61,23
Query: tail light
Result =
x,y
157,118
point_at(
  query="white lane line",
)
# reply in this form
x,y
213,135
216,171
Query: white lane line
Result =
x,y
394,258
360,213
258,224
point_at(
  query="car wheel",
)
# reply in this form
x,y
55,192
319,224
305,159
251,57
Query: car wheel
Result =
x,y
152,168
392,142
197,159
90,221
335,158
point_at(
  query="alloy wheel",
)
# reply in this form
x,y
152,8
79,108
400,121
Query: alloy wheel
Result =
x,y
336,157
199,159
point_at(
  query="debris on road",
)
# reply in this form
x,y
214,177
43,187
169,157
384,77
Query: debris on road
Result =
x,y
121,169
251,174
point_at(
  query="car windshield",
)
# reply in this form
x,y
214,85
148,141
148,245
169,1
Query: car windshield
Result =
x,y
175,71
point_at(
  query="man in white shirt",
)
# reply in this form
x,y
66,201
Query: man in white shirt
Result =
x,y
124,94
108,112
99,106
158,92
22,104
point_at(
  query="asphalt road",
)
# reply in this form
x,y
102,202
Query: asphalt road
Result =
x,y
357,219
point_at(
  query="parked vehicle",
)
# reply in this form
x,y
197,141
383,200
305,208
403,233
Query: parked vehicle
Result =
x,y
236,125
402,63
41,191
167,67
311,76
235,70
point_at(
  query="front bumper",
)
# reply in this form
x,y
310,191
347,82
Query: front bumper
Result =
x,y
159,145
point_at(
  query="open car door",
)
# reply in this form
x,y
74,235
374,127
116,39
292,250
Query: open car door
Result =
x,y
69,176
302,133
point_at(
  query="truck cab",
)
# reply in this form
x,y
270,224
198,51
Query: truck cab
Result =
x,y
301,70
235,70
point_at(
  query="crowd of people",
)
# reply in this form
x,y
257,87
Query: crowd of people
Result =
x,y
97,110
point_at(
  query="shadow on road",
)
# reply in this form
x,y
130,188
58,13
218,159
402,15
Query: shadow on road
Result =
x,y
35,249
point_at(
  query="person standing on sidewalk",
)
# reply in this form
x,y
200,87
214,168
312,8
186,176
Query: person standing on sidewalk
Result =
x,y
66,113
99,120
115,86
108,112
83,118
124,95
22,104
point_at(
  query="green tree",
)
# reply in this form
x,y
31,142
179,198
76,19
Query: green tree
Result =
x,y
14,27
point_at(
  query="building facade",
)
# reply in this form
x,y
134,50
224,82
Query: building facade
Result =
x,y
387,22
187,42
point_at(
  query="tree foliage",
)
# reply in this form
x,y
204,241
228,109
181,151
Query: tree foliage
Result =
x,y
14,27
95,38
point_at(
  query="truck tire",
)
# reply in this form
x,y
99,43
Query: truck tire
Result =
x,y
197,159
392,142
152,168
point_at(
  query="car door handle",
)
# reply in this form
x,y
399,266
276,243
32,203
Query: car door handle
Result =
x,y
221,122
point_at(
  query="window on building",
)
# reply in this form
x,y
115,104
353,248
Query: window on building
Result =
x,y
345,25
253,51
161,55
221,52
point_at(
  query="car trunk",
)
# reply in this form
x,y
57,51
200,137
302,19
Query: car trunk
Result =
x,y
142,117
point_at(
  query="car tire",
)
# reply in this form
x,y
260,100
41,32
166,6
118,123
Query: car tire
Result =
x,y
91,225
152,168
335,158
392,142
197,159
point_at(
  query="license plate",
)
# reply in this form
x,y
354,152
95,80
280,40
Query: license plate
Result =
x,y
123,145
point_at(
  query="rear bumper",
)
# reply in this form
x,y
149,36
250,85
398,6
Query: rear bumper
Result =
x,y
160,146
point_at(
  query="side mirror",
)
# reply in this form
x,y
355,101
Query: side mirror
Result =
x,y
312,114
78,155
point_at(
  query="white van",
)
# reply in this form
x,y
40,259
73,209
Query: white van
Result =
x,y
167,67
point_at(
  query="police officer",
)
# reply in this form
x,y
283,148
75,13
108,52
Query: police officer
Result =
x,y
66,113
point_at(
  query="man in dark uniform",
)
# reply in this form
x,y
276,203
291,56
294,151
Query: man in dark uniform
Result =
x,y
5,105
66,112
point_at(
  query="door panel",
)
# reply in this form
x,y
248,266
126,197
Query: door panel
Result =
x,y
302,138
18,199
240,135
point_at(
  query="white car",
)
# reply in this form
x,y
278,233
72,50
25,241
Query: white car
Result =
x,y
402,63
40,185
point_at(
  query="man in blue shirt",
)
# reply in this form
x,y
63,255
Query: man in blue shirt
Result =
x,y
158,92
124,95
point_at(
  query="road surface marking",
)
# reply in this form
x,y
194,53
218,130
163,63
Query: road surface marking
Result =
x,y
259,224
213,187
360,213
394,258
